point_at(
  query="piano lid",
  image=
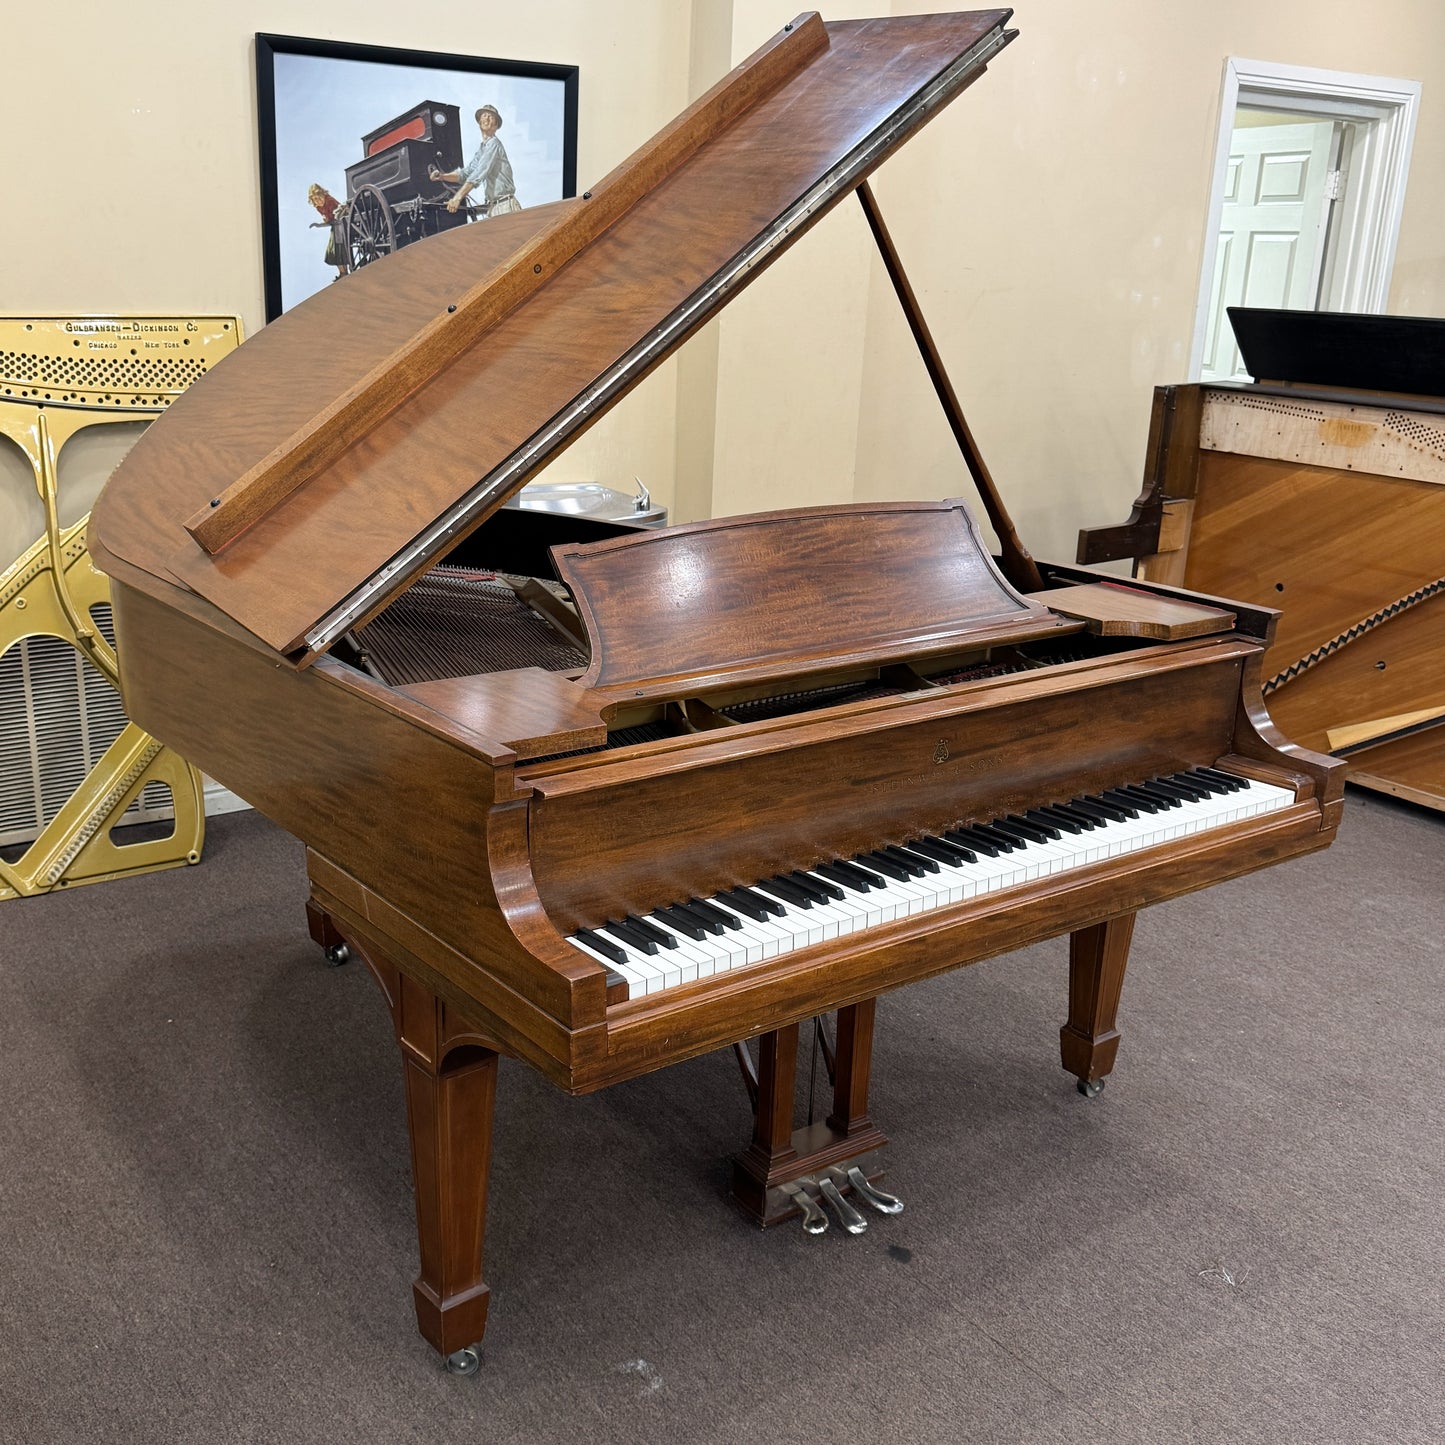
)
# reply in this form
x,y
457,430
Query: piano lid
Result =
x,y
331,459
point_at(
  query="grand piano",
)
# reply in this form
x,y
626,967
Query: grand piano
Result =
x,y
605,802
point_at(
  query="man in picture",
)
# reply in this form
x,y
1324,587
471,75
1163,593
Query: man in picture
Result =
x,y
488,168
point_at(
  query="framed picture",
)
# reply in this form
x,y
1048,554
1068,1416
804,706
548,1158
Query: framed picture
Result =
x,y
365,150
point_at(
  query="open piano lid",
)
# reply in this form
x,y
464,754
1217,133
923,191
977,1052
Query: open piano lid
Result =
x,y
310,478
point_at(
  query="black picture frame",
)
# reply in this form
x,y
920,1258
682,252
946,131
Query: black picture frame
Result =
x,y
310,94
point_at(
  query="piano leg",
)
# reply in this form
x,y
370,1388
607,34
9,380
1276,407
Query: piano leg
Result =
x,y
450,1092
781,1158
1089,1041
325,933
450,1073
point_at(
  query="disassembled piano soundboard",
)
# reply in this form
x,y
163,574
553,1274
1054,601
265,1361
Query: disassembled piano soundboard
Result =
x,y
60,376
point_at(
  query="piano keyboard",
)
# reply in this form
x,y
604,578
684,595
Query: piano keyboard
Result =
x,y
698,937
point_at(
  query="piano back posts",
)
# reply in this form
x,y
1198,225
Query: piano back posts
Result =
x,y
677,789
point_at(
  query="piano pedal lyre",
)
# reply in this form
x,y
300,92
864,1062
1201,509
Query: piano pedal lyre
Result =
x,y
785,1172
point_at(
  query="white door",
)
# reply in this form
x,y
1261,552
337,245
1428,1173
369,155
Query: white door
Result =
x,y
1272,230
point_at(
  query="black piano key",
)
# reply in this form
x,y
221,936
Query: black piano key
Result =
x,y
1228,780
692,919
704,909
757,909
1211,786
1095,804
1037,833
884,865
918,866
1161,796
973,841
825,886
689,927
1142,797
1021,836
1036,815
651,930
922,848
1122,800
790,893
1104,814
630,936
1106,800
957,852
1006,841
1163,785
604,946
1074,822
860,880
1182,780
814,887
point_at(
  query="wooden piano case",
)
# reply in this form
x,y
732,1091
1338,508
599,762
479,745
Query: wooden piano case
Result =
x,y
671,716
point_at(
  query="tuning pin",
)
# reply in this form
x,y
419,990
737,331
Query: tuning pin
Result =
x,y
848,1217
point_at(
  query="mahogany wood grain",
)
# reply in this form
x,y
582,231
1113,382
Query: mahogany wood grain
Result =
x,y
1098,956
530,712
1113,610
780,1155
778,594
451,1086
429,350
447,849
285,374
853,1061
647,1033
772,1142
377,783
362,509
731,813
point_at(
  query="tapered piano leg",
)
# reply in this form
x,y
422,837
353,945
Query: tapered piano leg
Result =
x,y
781,1159
449,1100
1089,1041
450,1072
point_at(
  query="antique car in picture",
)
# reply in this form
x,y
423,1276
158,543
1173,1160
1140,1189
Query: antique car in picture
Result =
x,y
391,202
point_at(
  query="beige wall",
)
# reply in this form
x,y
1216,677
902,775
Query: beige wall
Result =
x,y
137,188
1051,222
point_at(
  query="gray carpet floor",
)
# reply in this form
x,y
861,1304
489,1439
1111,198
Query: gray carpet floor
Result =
x,y
206,1229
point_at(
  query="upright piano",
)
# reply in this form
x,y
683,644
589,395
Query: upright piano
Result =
x,y
604,805
1321,486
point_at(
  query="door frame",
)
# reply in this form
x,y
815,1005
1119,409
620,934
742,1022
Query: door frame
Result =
x,y
1378,176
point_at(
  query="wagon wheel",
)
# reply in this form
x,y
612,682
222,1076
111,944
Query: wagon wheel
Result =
x,y
369,229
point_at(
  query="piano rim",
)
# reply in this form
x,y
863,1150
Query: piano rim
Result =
x,y
638,1036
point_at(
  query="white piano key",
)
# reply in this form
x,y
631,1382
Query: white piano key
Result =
x,y
944,886
635,980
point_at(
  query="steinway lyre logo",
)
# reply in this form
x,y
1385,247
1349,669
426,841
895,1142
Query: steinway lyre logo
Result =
x,y
940,753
